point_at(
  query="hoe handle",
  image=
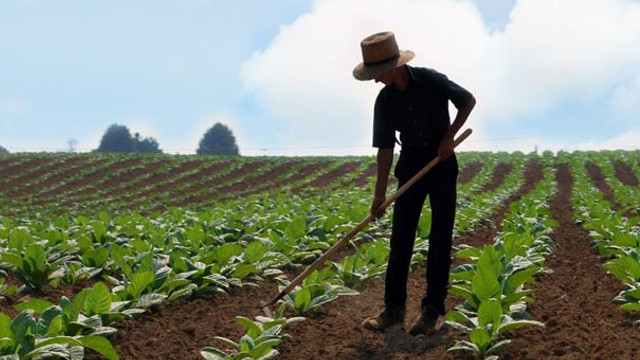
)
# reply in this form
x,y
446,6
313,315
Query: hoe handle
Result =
x,y
340,244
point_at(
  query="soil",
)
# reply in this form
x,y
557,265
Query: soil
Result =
x,y
625,174
246,170
80,164
598,180
575,300
35,170
181,329
499,173
469,172
366,176
176,179
575,303
326,179
18,171
94,177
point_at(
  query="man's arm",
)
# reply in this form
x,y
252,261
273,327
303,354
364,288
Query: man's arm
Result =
x,y
384,160
446,145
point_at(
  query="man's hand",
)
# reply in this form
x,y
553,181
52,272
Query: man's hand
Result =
x,y
446,147
375,207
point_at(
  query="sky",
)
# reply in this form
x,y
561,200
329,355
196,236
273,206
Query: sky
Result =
x,y
547,74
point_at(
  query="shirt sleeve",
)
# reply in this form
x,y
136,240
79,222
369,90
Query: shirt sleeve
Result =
x,y
458,95
384,136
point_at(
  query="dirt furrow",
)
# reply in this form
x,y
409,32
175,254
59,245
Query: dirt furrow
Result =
x,y
598,180
176,178
497,178
469,172
326,179
625,174
55,177
575,300
246,172
15,173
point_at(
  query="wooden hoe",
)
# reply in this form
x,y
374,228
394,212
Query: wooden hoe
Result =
x,y
340,244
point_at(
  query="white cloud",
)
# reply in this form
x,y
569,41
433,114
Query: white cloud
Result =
x,y
550,52
626,141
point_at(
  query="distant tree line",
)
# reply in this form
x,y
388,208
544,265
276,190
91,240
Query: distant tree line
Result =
x,y
3,150
217,140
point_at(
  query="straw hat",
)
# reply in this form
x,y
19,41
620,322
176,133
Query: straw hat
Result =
x,y
380,53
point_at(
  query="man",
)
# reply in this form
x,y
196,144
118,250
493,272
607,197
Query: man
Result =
x,y
415,102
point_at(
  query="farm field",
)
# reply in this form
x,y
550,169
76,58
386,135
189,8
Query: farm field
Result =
x,y
107,256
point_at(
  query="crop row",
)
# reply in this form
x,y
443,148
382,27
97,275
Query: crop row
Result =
x,y
150,261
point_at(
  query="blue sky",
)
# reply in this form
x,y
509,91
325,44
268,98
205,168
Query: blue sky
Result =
x,y
556,74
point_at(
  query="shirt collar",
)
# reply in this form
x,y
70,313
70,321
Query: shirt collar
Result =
x,y
412,76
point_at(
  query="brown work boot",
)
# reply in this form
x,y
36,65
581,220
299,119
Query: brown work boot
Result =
x,y
425,323
384,320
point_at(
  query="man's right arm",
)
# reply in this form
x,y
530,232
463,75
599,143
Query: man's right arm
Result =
x,y
384,160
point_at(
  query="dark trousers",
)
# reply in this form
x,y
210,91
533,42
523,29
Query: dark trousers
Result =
x,y
440,185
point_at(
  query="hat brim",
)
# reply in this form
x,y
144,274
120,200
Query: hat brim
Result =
x,y
363,73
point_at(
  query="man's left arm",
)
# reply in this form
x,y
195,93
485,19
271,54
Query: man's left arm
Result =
x,y
445,149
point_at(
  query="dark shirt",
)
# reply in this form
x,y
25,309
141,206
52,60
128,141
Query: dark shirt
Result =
x,y
420,113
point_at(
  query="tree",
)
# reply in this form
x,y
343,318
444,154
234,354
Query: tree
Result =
x,y
146,145
117,138
3,150
218,140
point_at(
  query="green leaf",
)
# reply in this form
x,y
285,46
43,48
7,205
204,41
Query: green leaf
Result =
x,y
59,340
5,326
484,284
625,268
95,257
630,307
183,292
37,305
264,348
481,338
509,324
118,253
490,312
98,300
252,329
12,259
149,300
243,270
47,324
233,344
464,346
210,353
20,325
10,357
518,278
35,256
101,345
465,294
140,282
499,346
225,252
302,300
255,251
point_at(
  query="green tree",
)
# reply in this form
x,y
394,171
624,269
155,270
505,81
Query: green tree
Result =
x,y
146,145
218,140
3,150
117,138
